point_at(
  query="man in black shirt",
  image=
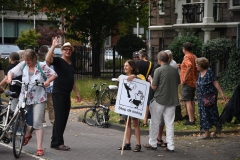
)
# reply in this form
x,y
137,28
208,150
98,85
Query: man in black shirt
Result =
x,y
62,87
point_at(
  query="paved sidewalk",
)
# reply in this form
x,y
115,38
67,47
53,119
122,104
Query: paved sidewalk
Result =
x,y
91,143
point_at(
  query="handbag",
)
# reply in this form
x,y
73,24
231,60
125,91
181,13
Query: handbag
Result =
x,y
209,99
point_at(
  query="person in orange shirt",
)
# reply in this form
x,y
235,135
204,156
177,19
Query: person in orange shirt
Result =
x,y
188,77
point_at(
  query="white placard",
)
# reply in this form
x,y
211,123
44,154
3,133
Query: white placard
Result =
x,y
132,97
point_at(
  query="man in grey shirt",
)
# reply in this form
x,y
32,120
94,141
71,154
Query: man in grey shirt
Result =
x,y
165,83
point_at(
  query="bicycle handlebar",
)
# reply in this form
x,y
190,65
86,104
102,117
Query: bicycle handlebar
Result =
x,y
14,82
95,85
115,79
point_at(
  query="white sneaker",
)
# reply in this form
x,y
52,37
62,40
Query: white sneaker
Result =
x,y
44,124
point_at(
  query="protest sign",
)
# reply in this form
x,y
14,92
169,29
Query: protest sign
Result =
x,y
132,97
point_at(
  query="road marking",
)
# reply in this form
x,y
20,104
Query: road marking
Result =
x,y
24,151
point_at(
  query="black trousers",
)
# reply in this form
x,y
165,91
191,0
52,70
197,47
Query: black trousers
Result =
x,y
61,105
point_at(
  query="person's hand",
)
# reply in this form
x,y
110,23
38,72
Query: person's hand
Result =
x,y
130,78
78,98
9,80
179,66
55,41
46,84
224,98
149,78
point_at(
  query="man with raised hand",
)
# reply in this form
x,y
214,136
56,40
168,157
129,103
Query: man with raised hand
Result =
x,y
61,93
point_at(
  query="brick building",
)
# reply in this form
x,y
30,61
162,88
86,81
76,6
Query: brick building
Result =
x,y
211,18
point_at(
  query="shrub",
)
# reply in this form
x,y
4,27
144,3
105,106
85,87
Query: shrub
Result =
x,y
216,49
186,36
230,78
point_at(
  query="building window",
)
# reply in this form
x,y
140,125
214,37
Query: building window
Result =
x,y
108,42
9,29
236,2
161,7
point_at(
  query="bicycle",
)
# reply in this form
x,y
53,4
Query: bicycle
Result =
x,y
17,121
108,98
91,115
109,95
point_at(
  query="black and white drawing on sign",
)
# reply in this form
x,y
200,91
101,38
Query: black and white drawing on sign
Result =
x,y
132,97
132,94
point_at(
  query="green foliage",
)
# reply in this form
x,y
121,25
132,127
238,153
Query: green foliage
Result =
x,y
230,78
28,38
4,63
128,44
216,49
188,35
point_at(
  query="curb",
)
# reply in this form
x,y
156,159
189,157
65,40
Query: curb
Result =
x,y
146,132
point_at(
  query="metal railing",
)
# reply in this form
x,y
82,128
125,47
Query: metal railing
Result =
x,y
194,12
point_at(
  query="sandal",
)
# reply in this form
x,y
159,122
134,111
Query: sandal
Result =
x,y
126,147
138,148
218,130
161,143
145,125
26,139
40,152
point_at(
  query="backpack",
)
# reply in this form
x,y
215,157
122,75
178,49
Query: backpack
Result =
x,y
39,68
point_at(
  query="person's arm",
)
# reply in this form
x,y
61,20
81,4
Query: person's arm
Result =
x,y
150,79
49,80
186,74
216,84
76,92
9,77
50,54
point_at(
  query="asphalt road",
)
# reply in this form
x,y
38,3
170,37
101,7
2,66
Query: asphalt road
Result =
x,y
93,143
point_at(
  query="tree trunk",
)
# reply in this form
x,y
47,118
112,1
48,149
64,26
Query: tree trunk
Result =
x,y
96,50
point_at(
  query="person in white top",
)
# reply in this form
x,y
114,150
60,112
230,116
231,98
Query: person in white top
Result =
x,y
31,70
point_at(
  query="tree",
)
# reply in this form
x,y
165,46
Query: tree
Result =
x,y
28,38
126,45
86,20
46,33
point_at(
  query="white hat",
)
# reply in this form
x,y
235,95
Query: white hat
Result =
x,y
168,52
67,44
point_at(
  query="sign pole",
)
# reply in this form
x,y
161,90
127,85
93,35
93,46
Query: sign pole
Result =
x,y
124,135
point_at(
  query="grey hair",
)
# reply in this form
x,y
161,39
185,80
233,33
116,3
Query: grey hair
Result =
x,y
21,54
163,56
168,52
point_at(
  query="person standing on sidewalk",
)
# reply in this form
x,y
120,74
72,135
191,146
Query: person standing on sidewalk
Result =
x,y
165,83
144,67
188,76
62,88
13,61
207,84
49,104
31,70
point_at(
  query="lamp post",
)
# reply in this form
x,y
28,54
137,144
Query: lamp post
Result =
x,y
2,26
149,24
137,20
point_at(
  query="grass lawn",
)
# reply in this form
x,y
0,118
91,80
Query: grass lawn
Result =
x,y
87,95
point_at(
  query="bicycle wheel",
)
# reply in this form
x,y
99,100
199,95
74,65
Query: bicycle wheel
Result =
x,y
108,97
90,117
101,117
19,134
